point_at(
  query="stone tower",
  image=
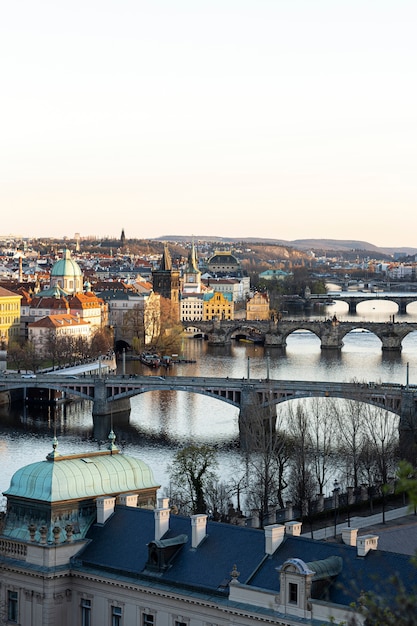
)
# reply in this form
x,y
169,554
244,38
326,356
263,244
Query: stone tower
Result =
x,y
166,282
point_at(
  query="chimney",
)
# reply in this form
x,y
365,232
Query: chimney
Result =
x,y
128,499
293,528
161,515
198,529
349,536
366,543
274,536
105,508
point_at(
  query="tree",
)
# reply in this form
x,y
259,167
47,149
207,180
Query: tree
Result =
x,y
267,451
16,354
381,429
350,417
102,342
302,484
322,433
191,472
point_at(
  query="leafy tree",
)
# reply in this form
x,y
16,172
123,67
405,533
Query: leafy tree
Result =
x,y
191,472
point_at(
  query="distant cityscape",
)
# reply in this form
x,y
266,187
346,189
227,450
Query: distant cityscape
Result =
x,y
84,287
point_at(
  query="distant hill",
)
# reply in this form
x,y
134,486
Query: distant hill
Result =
x,y
337,245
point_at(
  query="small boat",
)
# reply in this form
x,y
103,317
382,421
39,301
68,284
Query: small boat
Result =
x,y
151,360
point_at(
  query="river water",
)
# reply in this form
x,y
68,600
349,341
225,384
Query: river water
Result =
x,y
161,422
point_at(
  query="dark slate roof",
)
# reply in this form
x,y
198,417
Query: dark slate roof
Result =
x,y
357,573
120,546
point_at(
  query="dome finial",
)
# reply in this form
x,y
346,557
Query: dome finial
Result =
x,y
112,439
52,455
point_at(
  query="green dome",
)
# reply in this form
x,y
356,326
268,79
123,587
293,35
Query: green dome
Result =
x,y
81,476
66,266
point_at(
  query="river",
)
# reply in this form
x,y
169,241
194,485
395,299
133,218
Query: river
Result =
x,y
161,422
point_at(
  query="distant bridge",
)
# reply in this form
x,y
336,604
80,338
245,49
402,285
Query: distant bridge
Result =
x,y
112,393
355,297
274,333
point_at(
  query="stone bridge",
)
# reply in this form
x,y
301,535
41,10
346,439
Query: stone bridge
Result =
x,y
355,298
274,333
111,394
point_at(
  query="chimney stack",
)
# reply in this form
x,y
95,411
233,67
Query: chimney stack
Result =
x,y
349,536
105,508
198,529
366,543
274,536
293,528
161,518
128,499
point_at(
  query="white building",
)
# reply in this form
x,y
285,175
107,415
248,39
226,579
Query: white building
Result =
x,y
82,545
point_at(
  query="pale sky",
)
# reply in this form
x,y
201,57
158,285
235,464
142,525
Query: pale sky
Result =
x,y
264,118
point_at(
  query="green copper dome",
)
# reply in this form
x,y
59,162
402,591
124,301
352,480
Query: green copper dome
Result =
x,y
92,475
66,266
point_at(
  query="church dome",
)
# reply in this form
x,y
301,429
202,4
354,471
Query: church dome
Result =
x,y
67,274
224,258
80,476
66,267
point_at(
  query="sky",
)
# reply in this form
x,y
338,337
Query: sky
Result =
x,y
286,119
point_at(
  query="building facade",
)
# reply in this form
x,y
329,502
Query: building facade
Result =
x,y
257,307
9,317
83,543
218,306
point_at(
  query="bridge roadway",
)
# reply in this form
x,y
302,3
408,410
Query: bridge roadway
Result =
x,y
112,393
355,298
274,333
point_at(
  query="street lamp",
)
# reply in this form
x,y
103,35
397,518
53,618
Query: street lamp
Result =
x,y
336,490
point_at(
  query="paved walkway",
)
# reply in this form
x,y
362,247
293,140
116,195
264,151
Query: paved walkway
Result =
x,y
359,522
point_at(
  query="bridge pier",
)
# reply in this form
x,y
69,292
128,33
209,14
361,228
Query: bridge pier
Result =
x,y
257,423
391,343
275,340
330,336
218,335
102,406
352,306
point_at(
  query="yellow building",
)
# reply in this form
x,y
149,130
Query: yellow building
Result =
x,y
9,316
257,307
218,306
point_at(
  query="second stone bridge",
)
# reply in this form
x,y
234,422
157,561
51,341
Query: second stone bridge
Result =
x,y
274,333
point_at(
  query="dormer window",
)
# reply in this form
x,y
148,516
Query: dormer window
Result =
x,y
293,593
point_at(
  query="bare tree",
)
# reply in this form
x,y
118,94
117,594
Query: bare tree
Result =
x,y
322,435
350,417
302,484
266,455
381,429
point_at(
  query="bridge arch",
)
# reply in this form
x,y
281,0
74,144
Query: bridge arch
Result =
x,y
304,326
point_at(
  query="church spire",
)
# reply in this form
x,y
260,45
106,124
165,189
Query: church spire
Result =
x,y
166,261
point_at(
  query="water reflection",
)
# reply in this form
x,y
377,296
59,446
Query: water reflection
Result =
x,y
161,421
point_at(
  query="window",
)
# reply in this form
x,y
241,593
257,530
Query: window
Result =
x,y
116,616
147,619
12,602
85,612
293,593
179,623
